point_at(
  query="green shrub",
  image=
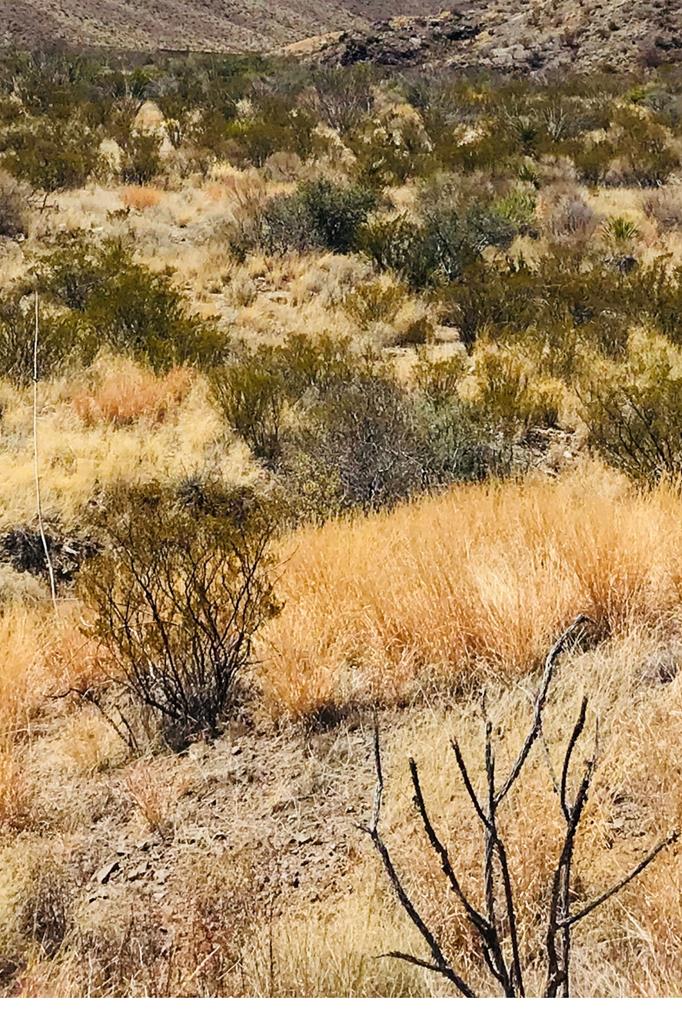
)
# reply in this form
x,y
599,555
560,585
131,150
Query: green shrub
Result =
x,y
177,596
52,156
518,208
13,207
251,396
509,393
129,307
374,302
62,338
319,214
141,160
439,248
633,412
275,127
317,363
437,378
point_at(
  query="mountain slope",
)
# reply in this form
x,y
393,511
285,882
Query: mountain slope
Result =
x,y
521,35
225,25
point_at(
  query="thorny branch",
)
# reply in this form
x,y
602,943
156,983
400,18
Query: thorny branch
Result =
x,y
496,926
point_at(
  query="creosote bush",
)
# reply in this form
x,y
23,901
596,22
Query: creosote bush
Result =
x,y
129,307
633,411
182,585
13,207
318,215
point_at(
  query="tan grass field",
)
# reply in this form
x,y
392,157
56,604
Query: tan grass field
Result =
x,y
421,598
234,866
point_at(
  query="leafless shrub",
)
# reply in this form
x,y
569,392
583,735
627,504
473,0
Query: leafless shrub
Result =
x,y
567,216
664,206
495,924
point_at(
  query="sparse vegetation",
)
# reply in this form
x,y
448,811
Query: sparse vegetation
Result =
x,y
355,386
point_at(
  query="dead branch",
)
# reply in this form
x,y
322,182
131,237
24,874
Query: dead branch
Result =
x,y
439,961
496,927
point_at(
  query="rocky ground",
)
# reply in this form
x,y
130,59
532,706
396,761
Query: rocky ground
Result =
x,y
520,36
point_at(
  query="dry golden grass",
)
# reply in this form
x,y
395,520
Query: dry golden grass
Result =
x,y
425,602
141,197
478,579
125,392
77,460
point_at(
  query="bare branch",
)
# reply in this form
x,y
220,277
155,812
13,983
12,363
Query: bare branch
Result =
x,y
550,664
440,962
476,919
669,840
36,458
436,968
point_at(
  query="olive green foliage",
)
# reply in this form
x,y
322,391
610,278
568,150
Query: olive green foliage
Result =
x,y
339,432
374,302
129,308
319,215
62,337
14,208
487,160
615,131
438,249
633,412
141,158
565,292
178,593
52,156
251,397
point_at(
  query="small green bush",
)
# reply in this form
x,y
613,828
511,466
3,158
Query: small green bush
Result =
x,y
251,396
319,214
441,247
510,395
62,338
374,302
633,412
141,160
13,207
177,596
52,156
130,308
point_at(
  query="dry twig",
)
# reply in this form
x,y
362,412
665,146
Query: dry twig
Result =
x,y
496,927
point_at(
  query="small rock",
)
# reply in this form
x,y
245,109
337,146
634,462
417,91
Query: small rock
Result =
x,y
105,873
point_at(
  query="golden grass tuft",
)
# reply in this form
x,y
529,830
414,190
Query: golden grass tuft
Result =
x,y
141,197
476,580
128,392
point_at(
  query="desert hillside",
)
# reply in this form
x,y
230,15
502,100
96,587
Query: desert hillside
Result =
x,y
520,35
229,25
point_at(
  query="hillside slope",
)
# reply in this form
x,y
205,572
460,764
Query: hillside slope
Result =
x,y
521,35
225,25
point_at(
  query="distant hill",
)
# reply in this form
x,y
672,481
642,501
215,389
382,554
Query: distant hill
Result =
x,y
518,35
506,35
223,25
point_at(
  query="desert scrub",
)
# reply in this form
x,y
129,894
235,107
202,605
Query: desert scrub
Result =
x,y
633,411
64,338
130,309
177,596
318,215
14,209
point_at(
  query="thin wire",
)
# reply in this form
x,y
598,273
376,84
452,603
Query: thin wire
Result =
x,y
36,462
